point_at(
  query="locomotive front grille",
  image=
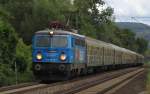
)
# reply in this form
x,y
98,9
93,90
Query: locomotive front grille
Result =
x,y
51,60
52,57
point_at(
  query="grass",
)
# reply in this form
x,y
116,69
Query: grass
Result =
x,y
148,77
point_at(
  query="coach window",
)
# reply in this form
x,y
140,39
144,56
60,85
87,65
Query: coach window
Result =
x,y
79,42
82,43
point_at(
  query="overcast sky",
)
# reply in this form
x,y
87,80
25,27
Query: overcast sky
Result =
x,y
125,9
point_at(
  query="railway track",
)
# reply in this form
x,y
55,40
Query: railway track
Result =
x,y
110,86
6,88
73,86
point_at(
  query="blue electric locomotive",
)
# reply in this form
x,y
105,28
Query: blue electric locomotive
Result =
x,y
58,55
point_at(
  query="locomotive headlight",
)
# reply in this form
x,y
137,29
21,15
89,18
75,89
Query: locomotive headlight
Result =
x,y
39,56
51,32
63,57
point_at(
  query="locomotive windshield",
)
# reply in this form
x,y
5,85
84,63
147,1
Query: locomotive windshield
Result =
x,y
53,42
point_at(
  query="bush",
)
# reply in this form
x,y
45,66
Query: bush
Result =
x,y
12,49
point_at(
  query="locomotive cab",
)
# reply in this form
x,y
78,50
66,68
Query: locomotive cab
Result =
x,y
51,48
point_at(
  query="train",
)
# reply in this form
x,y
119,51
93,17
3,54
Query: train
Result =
x,y
60,55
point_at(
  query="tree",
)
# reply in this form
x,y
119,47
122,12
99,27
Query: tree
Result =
x,y
11,51
23,56
8,41
142,45
89,19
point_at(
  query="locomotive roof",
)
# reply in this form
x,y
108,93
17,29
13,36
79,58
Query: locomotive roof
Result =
x,y
58,32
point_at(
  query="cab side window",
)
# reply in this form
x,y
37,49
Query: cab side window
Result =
x,y
79,42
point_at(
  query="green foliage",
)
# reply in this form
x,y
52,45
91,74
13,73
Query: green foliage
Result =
x,y
23,56
141,30
12,50
127,39
28,16
23,62
8,41
148,77
143,44
4,15
6,75
147,52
